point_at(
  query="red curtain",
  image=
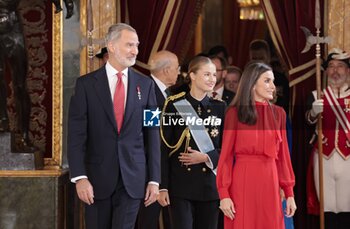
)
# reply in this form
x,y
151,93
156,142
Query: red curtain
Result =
x,y
161,25
239,33
284,19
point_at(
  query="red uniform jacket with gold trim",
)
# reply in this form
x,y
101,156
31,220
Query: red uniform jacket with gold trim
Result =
x,y
333,138
333,134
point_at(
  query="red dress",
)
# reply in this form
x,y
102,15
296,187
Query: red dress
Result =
x,y
254,163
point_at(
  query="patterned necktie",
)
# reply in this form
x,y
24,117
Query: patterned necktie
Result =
x,y
214,94
118,101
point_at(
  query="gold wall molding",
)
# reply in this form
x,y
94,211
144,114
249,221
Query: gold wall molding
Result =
x,y
55,162
33,173
83,32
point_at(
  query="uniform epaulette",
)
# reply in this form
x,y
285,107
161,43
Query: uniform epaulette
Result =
x,y
217,100
176,97
185,133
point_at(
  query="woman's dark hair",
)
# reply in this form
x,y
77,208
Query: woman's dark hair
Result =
x,y
243,100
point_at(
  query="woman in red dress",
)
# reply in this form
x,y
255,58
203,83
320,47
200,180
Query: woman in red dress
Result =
x,y
254,162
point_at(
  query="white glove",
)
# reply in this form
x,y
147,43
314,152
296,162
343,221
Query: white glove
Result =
x,y
317,107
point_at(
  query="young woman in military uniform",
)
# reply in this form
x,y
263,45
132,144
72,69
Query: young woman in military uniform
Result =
x,y
191,129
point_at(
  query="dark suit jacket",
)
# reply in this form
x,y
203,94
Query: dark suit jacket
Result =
x,y
227,96
94,147
195,182
159,96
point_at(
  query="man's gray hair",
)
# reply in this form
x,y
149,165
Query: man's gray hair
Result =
x,y
159,64
161,60
114,31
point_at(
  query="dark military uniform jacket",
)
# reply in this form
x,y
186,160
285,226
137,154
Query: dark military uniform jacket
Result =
x,y
194,182
227,96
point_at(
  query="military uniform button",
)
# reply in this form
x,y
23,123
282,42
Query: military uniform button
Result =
x,y
204,170
189,169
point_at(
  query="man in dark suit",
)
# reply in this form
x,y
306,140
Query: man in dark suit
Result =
x,y
219,91
164,67
113,159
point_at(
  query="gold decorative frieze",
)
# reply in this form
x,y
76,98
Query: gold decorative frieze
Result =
x,y
33,173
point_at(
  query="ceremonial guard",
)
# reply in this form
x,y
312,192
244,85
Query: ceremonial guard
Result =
x,y
335,108
192,125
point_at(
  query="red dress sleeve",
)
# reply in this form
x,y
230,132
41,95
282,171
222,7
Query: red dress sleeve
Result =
x,y
284,165
225,165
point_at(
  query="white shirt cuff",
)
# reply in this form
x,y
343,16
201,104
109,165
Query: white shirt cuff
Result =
x,y
75,179
153,182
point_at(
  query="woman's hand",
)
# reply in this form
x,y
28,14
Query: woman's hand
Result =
x,y
227,207
163,198
291,207
193,157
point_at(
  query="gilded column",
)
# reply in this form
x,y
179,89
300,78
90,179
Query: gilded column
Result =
x,y
338,23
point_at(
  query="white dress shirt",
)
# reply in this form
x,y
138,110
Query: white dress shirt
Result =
x,y
161,85
112,79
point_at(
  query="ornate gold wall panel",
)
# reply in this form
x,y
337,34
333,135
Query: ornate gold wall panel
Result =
x,y
57,101
104,15
339,23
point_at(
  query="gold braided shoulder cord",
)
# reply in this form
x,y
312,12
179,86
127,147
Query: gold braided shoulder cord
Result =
x,y
185,133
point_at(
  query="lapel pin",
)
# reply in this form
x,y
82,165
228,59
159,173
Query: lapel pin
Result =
x,y
138,92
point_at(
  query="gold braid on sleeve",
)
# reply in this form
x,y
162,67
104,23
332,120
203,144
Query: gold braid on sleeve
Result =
x,y
185,133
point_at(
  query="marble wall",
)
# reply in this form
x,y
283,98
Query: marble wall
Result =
x,y
71,66
34,202
14,161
